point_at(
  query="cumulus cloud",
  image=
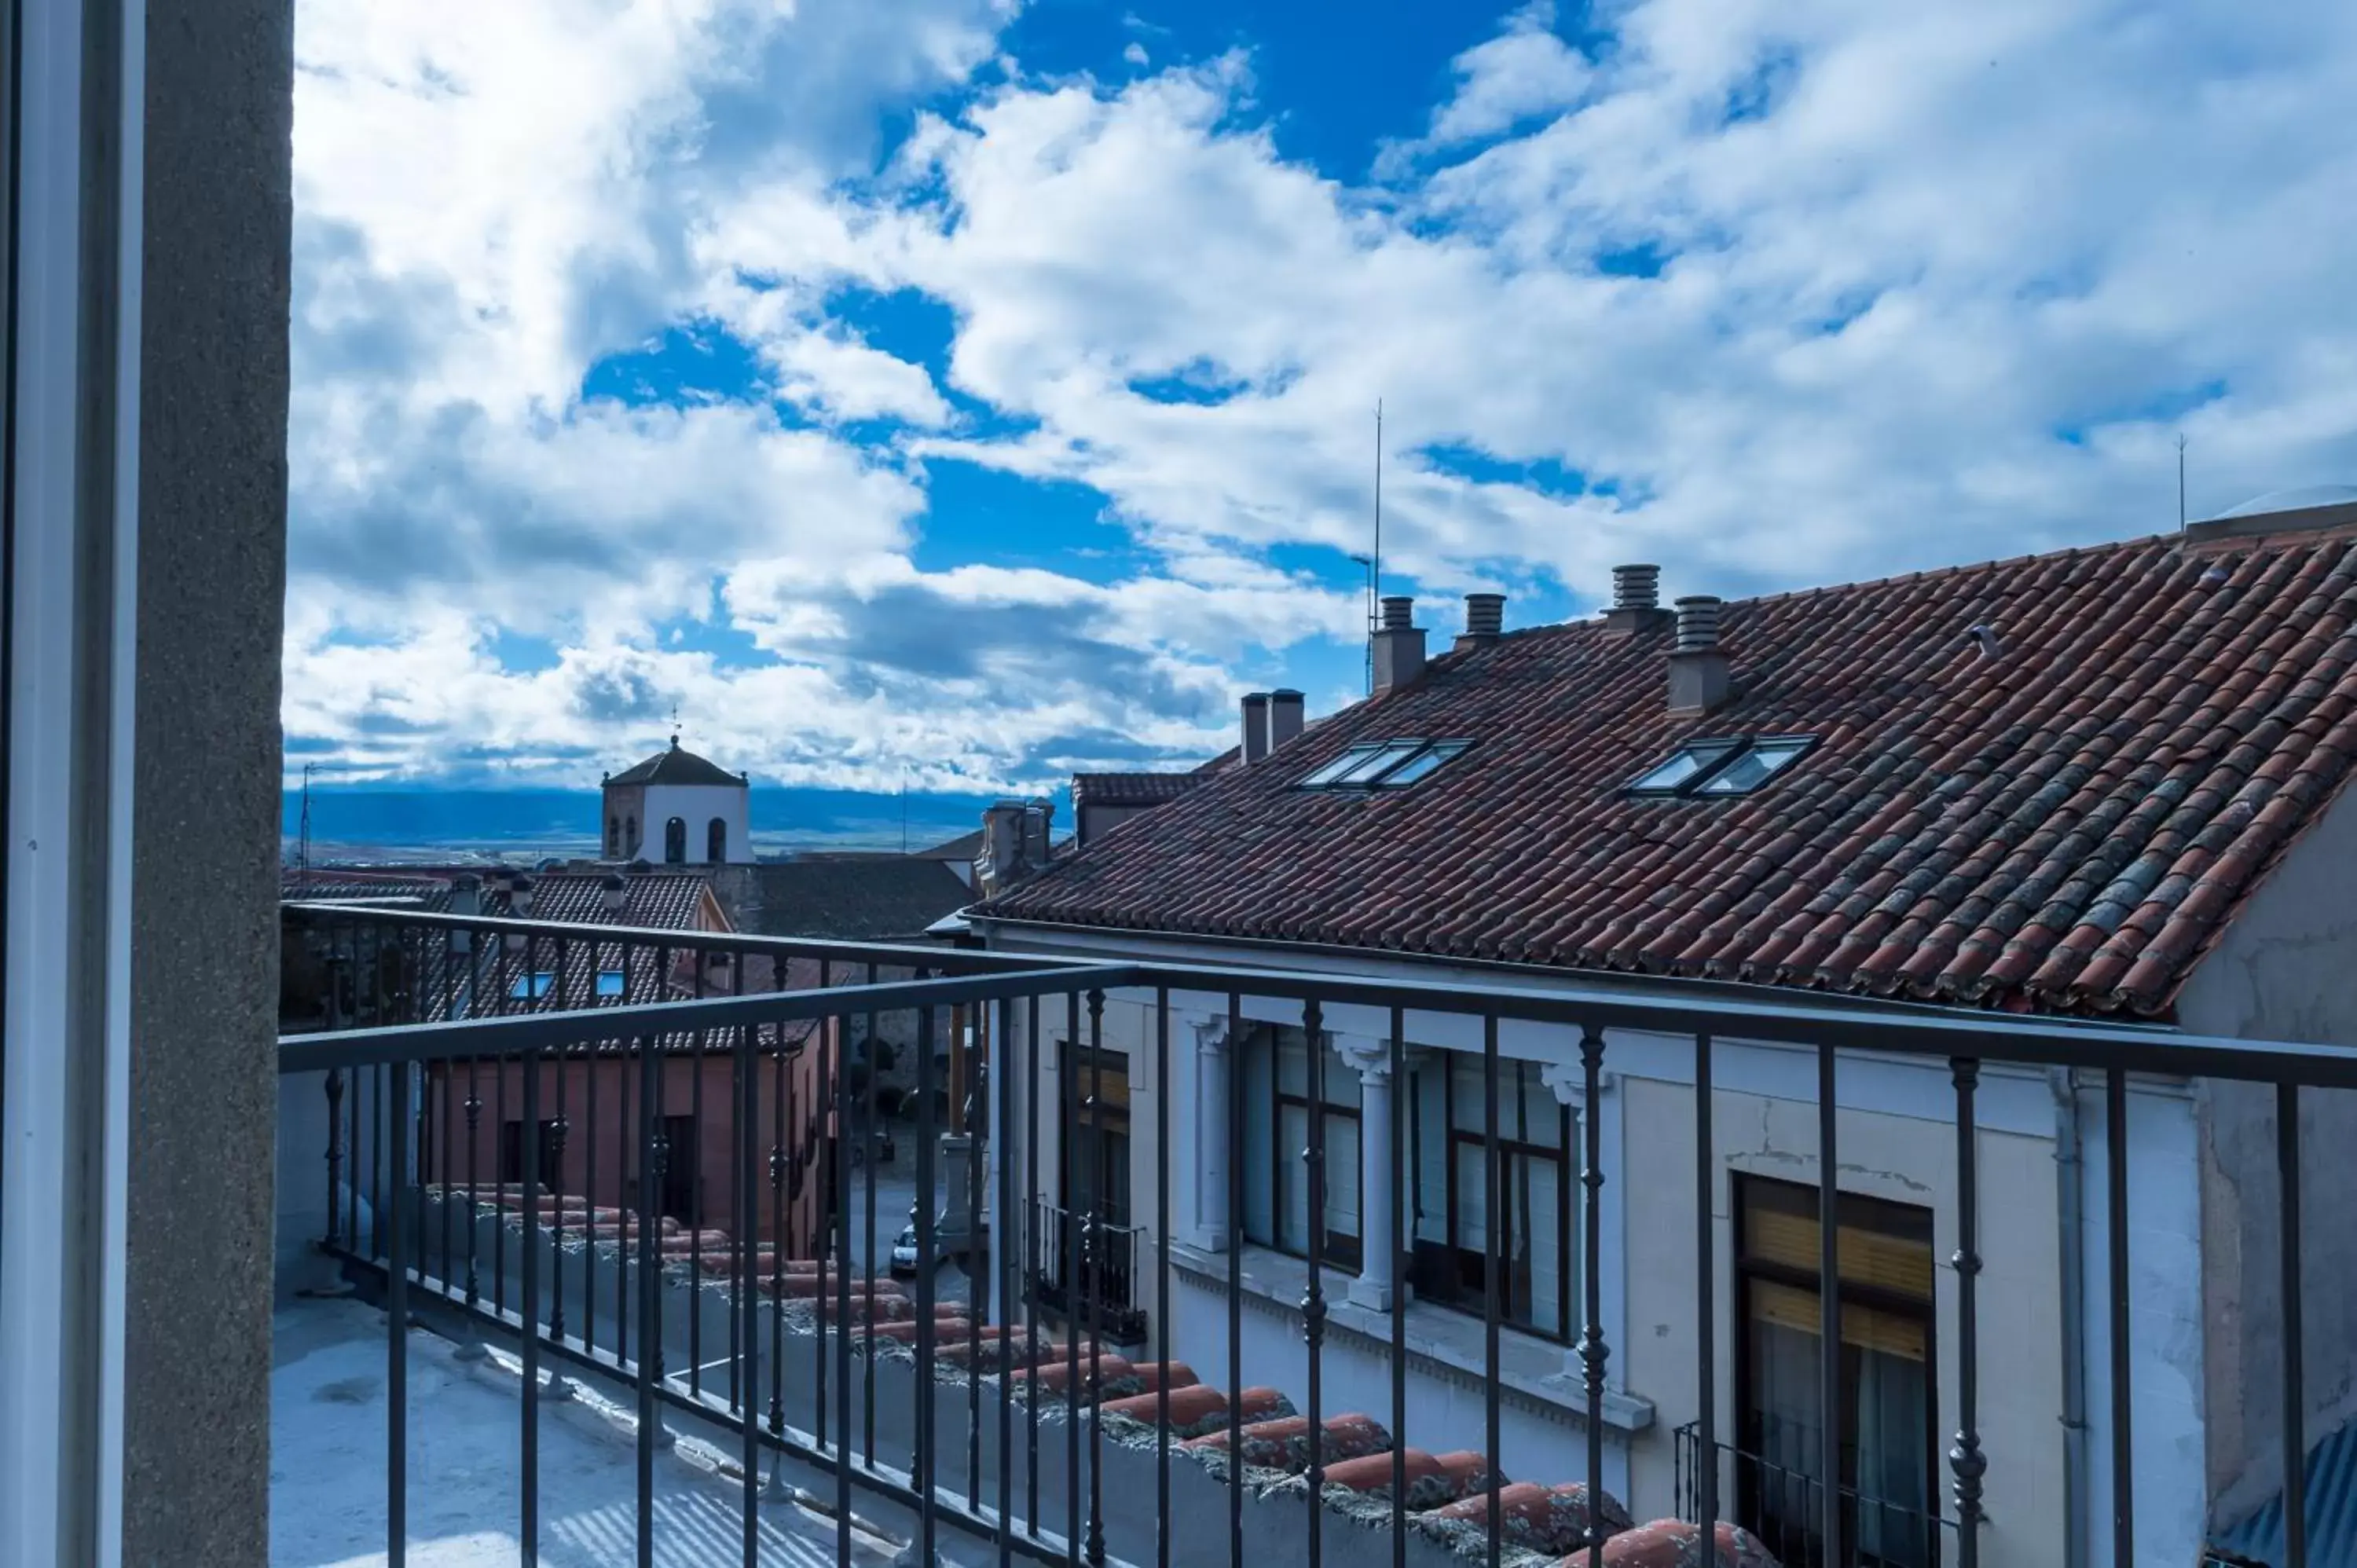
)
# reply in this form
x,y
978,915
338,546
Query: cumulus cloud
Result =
x,y
1771,293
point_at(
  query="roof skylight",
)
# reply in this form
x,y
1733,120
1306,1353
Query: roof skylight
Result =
x,y
609,983
1717,769
1385,763
529,987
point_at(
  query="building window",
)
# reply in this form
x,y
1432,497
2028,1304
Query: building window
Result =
x,y
716,841
630,835
1721,767
1889,1415
613,838
1281,1120
1095,1157
675,842
512,1155
610,984
1385,763
1537,1214
534,986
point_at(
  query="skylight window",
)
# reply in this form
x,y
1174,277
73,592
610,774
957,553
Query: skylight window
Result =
x,y
532,987
1385,763
609,983
1718,768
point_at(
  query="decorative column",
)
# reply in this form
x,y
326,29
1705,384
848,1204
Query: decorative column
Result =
x,y
1379,1261
1211,1112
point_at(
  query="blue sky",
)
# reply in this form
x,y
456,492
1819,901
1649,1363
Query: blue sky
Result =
x,y
985,389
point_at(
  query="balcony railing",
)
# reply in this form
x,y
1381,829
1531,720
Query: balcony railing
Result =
x,y
1087,1272
1783,1503
577,1238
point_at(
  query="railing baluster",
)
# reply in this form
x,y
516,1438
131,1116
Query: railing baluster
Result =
x,y
1593,1350
841,1264
744,1334
2116,1160
396,1328
446,1156
1068,1121
1313,1299
1829,1354
1236,1274
921,1464
781,1063
1401,1105
1002,1262
1707,1290
591,1071
701,959
867,1365
651,1174
335,1087
531,1244
1494,1255
1089,1279
1162,1275
1032,1356
976,1291
558,1129
1965,1458
2295,1379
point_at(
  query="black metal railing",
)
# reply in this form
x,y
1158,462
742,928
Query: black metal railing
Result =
x,y
1783,1504
1078,1264
750,1295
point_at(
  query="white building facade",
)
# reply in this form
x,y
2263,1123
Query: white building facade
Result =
x,y
678,808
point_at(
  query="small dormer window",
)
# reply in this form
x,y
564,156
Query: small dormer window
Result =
x,y
1385,763
1721,767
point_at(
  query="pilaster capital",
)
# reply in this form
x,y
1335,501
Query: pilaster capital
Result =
x,y
1567,1081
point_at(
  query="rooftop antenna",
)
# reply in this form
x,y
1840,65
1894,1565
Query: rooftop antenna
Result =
x,y
2181,481
1375,562
674,724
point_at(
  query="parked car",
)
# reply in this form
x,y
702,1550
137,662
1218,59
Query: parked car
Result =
x,y
904,1253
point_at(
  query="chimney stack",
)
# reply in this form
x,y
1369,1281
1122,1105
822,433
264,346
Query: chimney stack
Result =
x,y
520,906
465,898
1699,673
1256,726
612,891
1636,600
1399,646
1285,716
1485,620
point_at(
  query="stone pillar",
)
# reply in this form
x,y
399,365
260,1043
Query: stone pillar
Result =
x,y
1379,1261
1212,1107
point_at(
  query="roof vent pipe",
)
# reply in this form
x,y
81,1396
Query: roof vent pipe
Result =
x,y
1636,587
1698,623
611,893
1399,647
1485,615
1699,678
1285,716
1256,726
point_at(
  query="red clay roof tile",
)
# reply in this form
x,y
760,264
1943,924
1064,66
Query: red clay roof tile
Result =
x,y
2063,827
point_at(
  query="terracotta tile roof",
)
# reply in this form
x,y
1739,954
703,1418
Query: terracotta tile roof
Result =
x,y
1132,789
677,767
2064,826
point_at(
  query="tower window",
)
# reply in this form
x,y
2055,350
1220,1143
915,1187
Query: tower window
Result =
x,y
716,841
675,842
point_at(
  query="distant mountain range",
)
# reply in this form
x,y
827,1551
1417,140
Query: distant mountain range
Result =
x,y
394,825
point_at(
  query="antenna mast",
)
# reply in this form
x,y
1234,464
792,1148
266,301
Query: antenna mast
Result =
x,y
303,853
2181,481
1375,565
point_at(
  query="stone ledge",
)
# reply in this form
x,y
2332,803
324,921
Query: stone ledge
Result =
x,y
1439,1341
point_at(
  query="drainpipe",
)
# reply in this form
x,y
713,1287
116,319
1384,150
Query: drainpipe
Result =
x,y
2070,1223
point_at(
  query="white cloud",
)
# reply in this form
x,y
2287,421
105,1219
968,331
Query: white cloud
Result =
x,y
1806,291
1135,54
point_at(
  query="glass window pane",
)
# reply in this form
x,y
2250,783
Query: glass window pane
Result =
x,y
1342,765
1380,762
1422,764
1294,1178
1342,1216
1690,763
1753,768
609,983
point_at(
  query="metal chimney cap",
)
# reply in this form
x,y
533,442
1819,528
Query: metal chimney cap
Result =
x,y
1485,615
1636,586
1399,611
1698,622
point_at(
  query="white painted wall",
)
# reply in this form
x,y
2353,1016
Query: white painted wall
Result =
x,y
696,804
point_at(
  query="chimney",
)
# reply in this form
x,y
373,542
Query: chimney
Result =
x,y
1284,717
1485,620
465,898
520,906
612,891
1698,675
1636,600
1013,833
1256,726
1399,647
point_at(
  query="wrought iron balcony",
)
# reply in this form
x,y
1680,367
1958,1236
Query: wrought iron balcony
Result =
x,y
503,1158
